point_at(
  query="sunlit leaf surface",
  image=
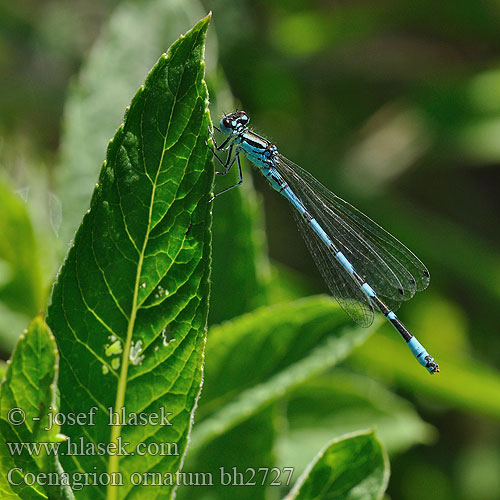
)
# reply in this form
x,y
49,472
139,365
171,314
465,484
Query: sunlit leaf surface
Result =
x,y
27,407
354,467
130,303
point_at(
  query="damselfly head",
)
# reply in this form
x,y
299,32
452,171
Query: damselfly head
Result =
x,y
234,121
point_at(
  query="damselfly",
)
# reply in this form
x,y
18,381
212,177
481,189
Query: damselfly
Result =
x,y
363,265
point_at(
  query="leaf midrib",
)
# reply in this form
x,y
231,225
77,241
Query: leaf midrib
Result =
x,y
112,491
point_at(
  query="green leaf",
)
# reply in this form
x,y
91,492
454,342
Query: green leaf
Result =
x,y
11,326
22,293
462,383
129,307
29,391
241,270
467,247
352,467
247,446
126,49
256,359
339,403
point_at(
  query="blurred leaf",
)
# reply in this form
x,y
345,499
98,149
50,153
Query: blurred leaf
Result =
x,y
338,403
12,324
431,236
478,470
391,142
483,91
479,140
462,382
311,31
232,458
20,275
22,290
269,340
432,313
129,45
352,467
130,304
258,358
30,387
433,473
240,266
287,284
240,272
463,115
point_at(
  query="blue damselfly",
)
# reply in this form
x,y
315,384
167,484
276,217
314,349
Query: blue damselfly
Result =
x,y
364,266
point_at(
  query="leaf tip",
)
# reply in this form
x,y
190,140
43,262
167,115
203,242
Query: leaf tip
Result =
x,y
202,24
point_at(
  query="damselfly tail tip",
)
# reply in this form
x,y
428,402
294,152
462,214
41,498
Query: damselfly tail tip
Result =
x,y
432,366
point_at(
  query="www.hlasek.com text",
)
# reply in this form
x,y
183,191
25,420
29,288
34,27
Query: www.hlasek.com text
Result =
x,y
80,447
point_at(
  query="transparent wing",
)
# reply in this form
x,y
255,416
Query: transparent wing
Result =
x,y
391,269
346,291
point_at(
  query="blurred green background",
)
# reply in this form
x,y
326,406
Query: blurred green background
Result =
x,y
394,105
